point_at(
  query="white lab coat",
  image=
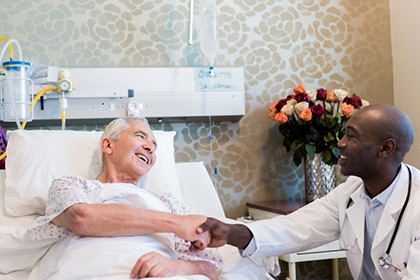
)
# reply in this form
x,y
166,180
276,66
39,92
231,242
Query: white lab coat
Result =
x,y
322,221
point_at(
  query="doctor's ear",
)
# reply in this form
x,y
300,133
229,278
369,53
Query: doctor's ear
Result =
x,y
106,146
388,147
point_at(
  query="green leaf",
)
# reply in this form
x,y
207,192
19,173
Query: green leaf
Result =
x,y
297,159
310,150
326,156
336,151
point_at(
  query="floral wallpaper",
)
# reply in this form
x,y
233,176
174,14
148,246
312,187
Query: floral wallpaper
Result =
x,y
331,44
323,43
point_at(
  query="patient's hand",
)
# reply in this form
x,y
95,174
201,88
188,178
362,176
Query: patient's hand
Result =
x,y
188,225
154,264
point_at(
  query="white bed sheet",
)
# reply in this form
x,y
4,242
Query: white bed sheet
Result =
x,y
199,196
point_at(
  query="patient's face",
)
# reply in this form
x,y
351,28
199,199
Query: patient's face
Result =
x,y
134,153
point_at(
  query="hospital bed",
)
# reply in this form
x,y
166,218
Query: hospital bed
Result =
x,y
35,157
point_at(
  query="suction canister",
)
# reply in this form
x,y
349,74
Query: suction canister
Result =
x,y
16,91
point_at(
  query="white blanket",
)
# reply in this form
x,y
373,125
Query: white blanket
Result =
x,y
76,257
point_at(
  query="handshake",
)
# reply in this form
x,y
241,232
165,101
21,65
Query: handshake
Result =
x,y
214,233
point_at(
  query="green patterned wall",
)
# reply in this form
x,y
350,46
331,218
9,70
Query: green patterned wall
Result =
x,y
280,43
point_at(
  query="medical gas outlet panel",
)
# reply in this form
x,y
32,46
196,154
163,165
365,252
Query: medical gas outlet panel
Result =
x,y
173,94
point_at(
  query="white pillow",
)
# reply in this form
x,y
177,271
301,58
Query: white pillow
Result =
x,y
36,157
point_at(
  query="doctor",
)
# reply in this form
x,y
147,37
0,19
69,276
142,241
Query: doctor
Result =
x,y
375,214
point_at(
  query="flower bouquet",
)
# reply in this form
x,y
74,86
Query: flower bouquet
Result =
x,y
313,121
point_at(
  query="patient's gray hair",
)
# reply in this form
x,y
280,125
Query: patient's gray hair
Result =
x,y
114,129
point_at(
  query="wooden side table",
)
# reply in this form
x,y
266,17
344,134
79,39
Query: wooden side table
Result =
x,y
270,209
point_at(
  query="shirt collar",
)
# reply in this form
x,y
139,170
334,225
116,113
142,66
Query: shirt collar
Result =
x,y
383,196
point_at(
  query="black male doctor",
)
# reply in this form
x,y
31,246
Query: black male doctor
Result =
x,y
375,214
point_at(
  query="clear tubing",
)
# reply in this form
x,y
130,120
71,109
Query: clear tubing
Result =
x,y
19,50
211,138
10,46
191,23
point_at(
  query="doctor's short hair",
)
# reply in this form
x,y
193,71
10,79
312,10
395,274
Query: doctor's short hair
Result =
x,y
114,129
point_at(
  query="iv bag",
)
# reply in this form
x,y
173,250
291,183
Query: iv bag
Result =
x,y
208,29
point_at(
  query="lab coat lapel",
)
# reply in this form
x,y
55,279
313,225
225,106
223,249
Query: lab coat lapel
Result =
x,y
356,216
390,214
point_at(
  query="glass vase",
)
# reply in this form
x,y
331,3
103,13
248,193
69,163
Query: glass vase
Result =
x,y
320,178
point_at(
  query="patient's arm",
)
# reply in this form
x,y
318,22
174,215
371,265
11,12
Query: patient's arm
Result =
x,y
69,206
104,220
155,265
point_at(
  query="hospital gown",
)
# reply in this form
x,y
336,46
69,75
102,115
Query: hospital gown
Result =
x,y
67,191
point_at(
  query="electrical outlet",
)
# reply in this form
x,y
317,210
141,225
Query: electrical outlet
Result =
x,y
133,108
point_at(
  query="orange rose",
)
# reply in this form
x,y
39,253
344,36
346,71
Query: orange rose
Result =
x,y
281,118
306,115
273,105
272,115
300,89
330,96
347,109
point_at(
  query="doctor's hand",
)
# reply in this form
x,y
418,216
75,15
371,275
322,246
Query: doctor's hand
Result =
x,y
221,233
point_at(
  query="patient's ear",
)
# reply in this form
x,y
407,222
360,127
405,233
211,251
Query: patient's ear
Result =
x,y
106,146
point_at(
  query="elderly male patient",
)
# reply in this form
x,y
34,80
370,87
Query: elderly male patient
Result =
x,y
90,213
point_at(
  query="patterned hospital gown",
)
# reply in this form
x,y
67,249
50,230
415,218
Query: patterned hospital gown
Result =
x,y
66,191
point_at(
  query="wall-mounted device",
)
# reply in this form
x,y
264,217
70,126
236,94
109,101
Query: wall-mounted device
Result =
x,y
160,94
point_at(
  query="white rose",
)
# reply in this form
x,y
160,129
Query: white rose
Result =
x,y
340,94
364,103
333,108
301,106
287,109
311,94
291,101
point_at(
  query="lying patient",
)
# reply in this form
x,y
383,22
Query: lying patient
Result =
x,y
108,227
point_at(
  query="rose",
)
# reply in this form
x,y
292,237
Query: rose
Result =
x,y
321,94
340,94
300,89
317,110
312,94
355,100
330,96
281,118
347,109
287,109
301,97
306,115
301,106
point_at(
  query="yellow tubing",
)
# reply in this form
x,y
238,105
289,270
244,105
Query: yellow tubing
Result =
x,y
63,118
4,38
37,97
